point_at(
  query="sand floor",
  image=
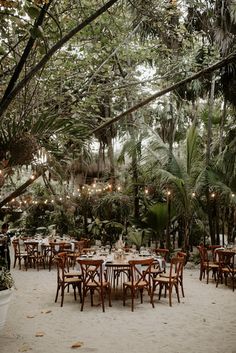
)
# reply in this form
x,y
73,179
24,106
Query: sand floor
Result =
x,y
204,321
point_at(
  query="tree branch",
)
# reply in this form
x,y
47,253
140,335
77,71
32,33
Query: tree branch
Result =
x,y
156,95
19,190
25,54
6,102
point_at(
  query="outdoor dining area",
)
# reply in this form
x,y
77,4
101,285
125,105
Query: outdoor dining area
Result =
x,y
98,275
101,272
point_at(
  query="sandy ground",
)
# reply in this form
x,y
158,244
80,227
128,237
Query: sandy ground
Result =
x,y
204,321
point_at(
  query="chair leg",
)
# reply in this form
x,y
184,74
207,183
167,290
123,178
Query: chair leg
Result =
x,y
102,298
58,288
124,294
83,299
141,295
160,290
74,288
182,286
132,299
62,295
177,291
91,296
170,295
80,292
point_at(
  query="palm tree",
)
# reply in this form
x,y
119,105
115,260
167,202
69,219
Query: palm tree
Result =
x,y
177,178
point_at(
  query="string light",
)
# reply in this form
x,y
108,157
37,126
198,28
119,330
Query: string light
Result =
x,y
193,194
32,177
146,191
118,188
213,195
233,195
168,193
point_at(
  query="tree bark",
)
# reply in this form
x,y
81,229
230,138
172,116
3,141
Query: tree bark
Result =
x,y
210,212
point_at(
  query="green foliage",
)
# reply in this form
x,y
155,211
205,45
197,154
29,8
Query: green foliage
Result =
x,y
6,279
157,218
113,206
38,215
64,221
135,237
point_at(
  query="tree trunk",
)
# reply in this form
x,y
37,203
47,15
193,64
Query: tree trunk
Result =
x,y
168,223
208,156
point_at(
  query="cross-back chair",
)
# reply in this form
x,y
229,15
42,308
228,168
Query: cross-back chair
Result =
x,y
226,267
94,280
19,253
206,265
34,257
65,278
170,281
72,256
164,253
140,280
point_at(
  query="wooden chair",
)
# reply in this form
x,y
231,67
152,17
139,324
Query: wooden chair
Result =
x,y
94,280
65,278
206,266
72,256
164,253
19,253
34,257
181,276
212,249
170,281
54,249
140,280
226,267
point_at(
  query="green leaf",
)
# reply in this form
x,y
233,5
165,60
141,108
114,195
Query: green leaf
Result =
x,y
36,32
2,51
32,11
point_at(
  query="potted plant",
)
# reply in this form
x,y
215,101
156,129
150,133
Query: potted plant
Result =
x,y
6,283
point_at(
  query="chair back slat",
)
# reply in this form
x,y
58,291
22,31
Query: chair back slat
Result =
x,y
140,271
92,271
176,267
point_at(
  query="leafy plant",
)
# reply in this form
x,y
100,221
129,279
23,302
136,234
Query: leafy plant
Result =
x,y
6,279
